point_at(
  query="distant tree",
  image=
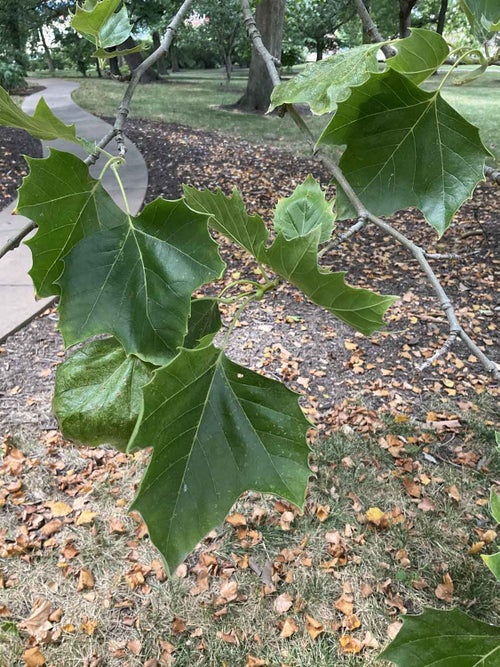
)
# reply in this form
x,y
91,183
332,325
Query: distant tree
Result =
x,y
223,28
316,20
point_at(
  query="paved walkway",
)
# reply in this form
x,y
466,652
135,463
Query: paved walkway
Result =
x,y
17,301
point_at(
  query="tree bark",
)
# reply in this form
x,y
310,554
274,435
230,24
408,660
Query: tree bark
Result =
x,y
48,55
405,7
319,49
270,19
442,16
135,59
161,66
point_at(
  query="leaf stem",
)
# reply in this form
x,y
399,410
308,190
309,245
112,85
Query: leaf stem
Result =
x,y
114,169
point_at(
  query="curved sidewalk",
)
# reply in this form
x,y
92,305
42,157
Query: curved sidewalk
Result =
x,y
17,302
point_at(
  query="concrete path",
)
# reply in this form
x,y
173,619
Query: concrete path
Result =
x,y
17,301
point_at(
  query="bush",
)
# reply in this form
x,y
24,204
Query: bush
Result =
x,y
11,75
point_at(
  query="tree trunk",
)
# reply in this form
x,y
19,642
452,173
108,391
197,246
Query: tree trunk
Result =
x,y
114,67
98,68
319,49
367,38
228,62
48,55
161,66
174,60
405,7
442,16
270,19
135,59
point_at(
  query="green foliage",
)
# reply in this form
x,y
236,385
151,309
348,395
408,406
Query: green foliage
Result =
x,y
419,55
101,23
483,15
450,638
42,125
216,429
405,147
11,75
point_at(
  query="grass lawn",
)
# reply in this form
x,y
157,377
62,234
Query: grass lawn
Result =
x,y
194,98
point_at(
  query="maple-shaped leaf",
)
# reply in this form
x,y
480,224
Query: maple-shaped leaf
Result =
x,y
229,216
322,85
67,204
449,638
135,281
405,147
305,209
297,261
217,429
419,55
99,22
97,395
118,53
204,322
43,124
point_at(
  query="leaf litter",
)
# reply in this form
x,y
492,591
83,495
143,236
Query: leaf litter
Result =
x,y
270,586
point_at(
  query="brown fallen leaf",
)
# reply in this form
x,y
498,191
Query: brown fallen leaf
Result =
x,y
349,644
33,657
282,603
252,661
58,508
314,628
445,590
134,646
178,626
286,520
87,516
89,626
229,591
412,489
453,492
51,527
426,505
378,518
322,512
85,580
289,628
393,629
236,520
38,624
351,622
227,637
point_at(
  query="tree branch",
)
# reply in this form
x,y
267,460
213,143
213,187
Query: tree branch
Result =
x,y
370,27
456,330
14,242
254,35
492,174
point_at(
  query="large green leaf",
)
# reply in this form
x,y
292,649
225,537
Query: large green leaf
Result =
x,y
97,396
306,209
483,15
204,323
419,55
444,638
217,429
322,85
229,216
405,147
296,260
99,22
135,281
43,124
67,204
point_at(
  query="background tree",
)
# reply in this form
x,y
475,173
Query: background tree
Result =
x,y
270,20
223,28
315,20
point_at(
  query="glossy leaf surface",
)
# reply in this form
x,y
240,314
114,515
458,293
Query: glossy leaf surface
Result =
x,y
43,124
444,638
204,322
405,147
67,204
306,209
135,281
98,395
322,85
419,55
217,429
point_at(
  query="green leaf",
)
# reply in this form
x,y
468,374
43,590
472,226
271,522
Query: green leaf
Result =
x,y
229,216
204,323
483,15
43,124
322,85
303,211
102,53
217,429
419,55
495,504
99,22
297,261
98,394
493,562
67,204
135,281
448,638
405,147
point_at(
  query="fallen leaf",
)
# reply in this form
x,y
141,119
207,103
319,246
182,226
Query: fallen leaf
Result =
x,y
393,629
33,657
283,603
134,646
85,580
453,492
236,520
378,518
286,520
314,628
426,505
89,627
289,628
322,512
227,637
58,508
349,644
38,624
87,516
178,626
445,590
252,661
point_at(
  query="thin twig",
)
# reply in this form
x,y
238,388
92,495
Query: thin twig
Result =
x,y
356,227
492,174
456,330
371,29
446,347
15,241
449,255
254,34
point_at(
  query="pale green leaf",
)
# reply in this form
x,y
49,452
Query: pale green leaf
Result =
x,y
495,505
67,204
296,260
493,562
98,394
135,281
43,124
229,216
322,85
445,638
405,147
204,322
217,429
306,209
483,15
419,55
99,22
102,53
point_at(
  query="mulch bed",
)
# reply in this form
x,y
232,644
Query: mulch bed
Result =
x,y
285,335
